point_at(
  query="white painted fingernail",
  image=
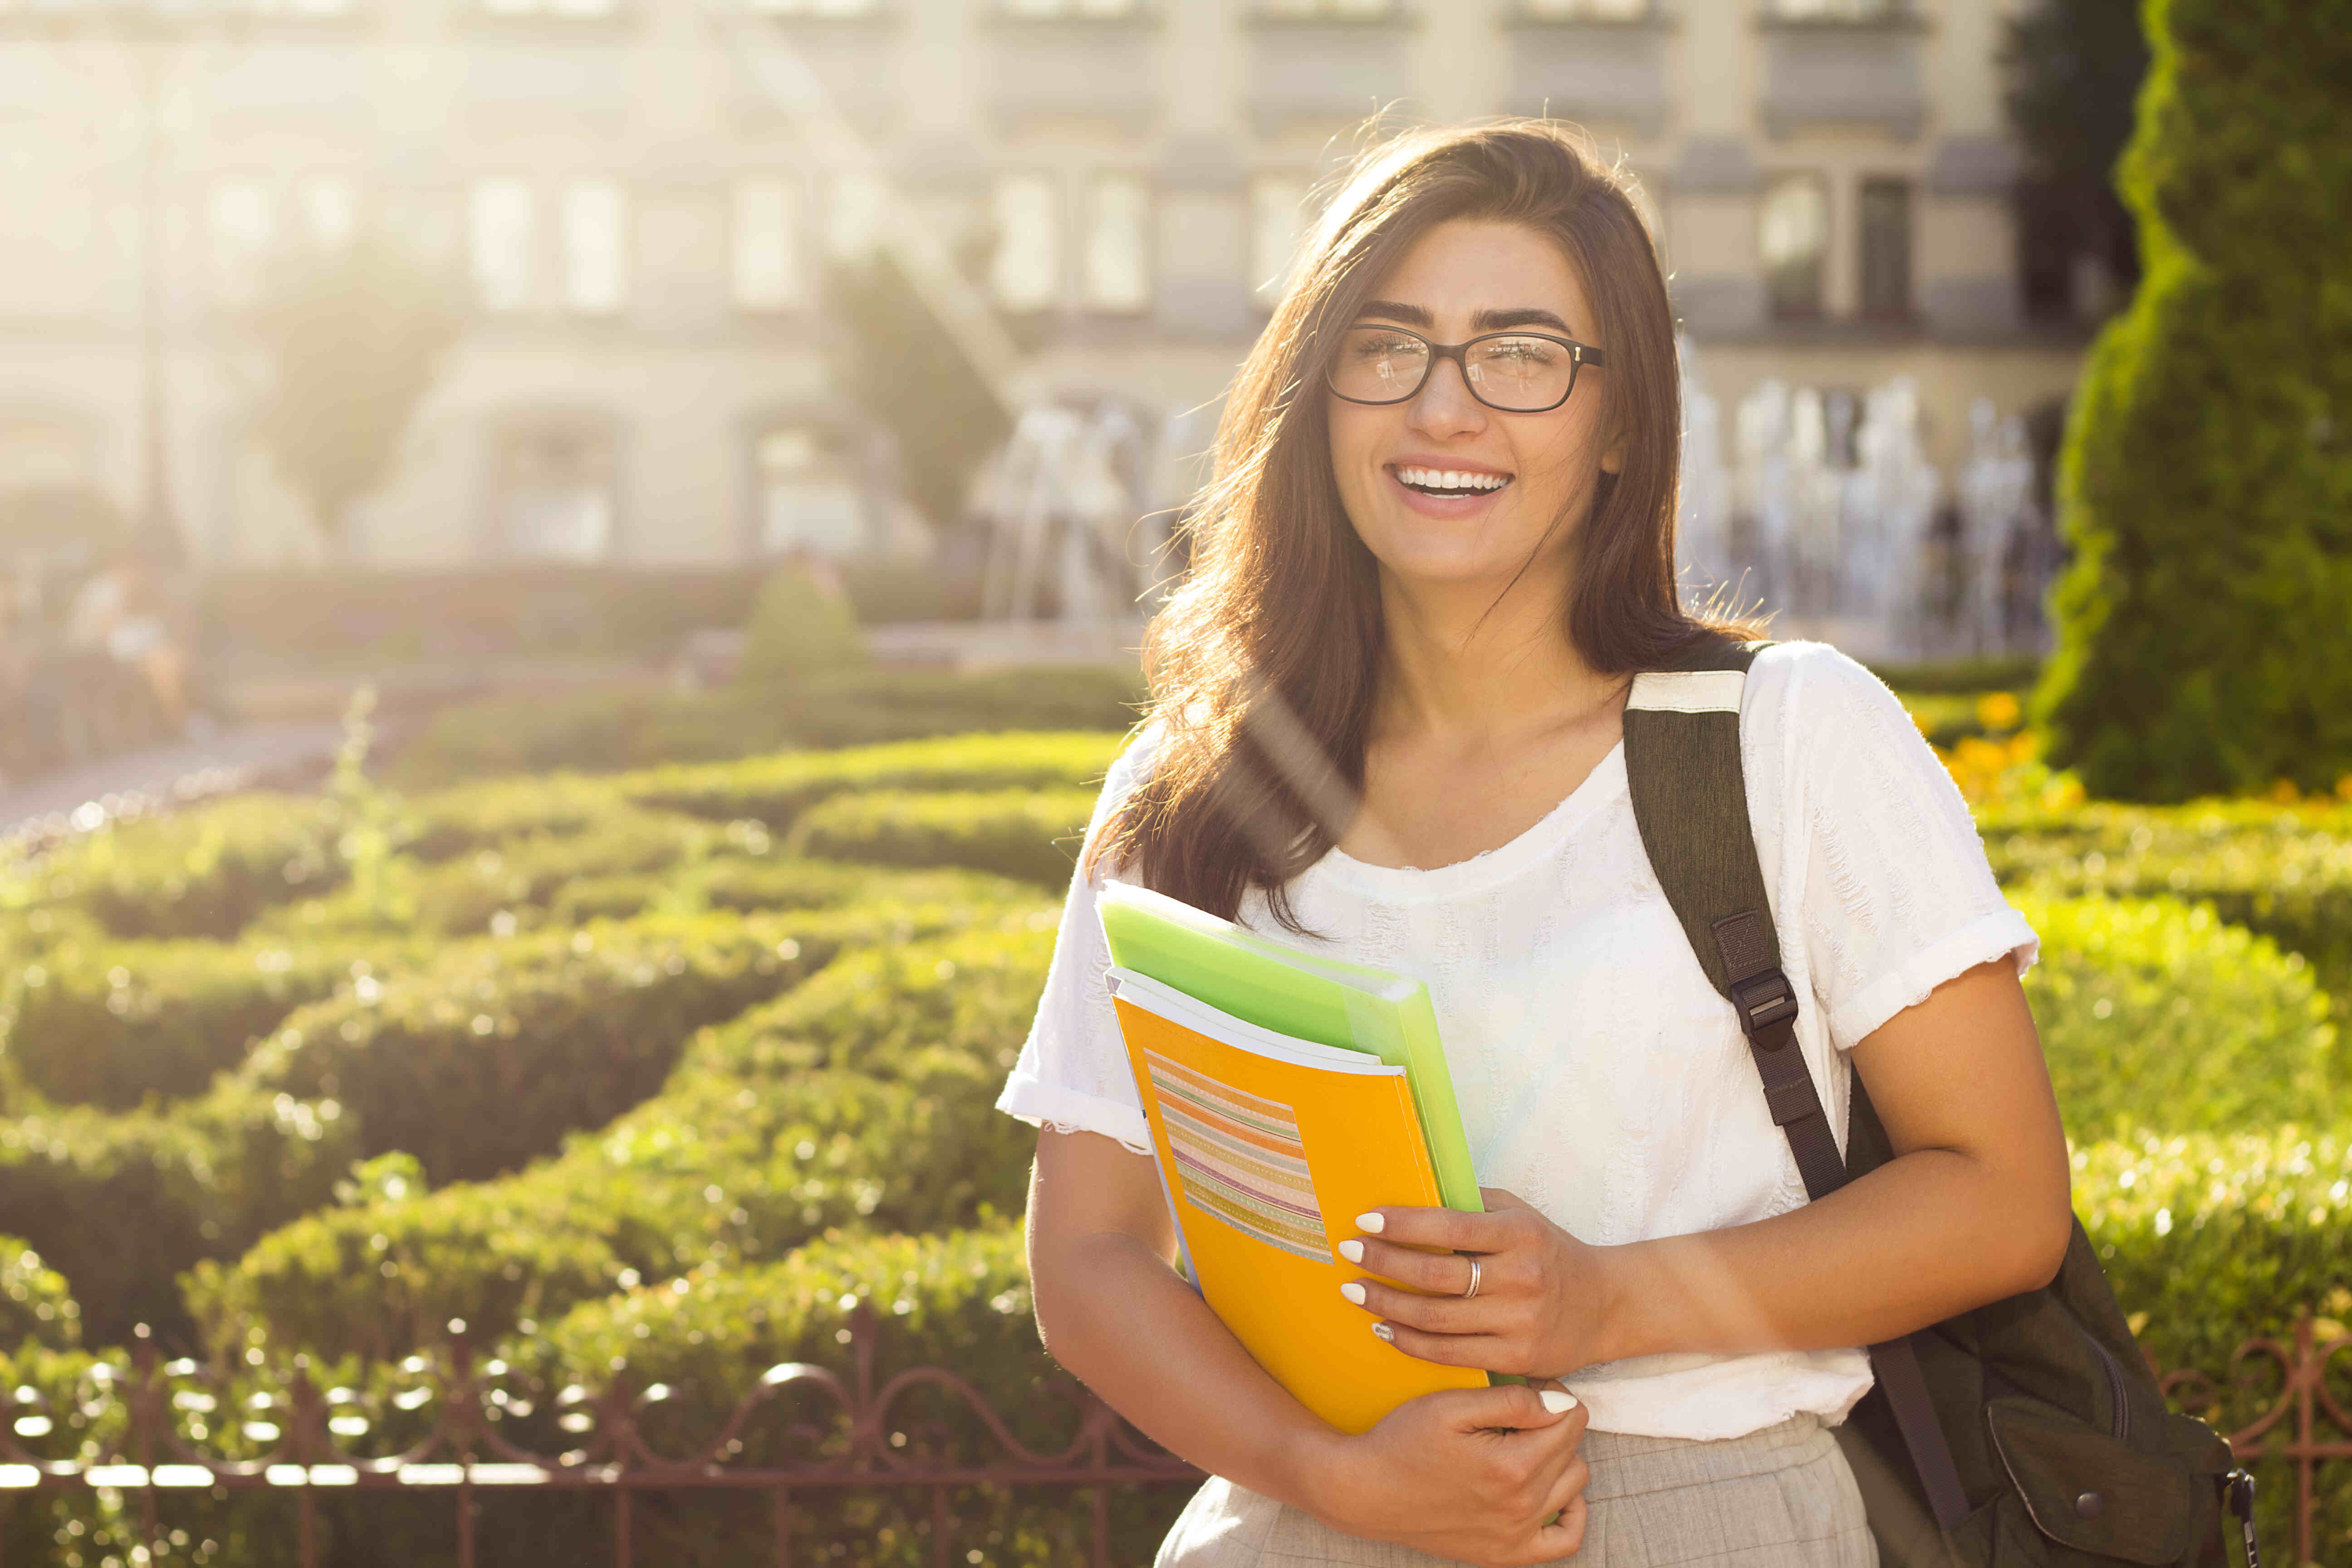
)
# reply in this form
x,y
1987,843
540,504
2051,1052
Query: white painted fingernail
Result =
x,y
1353,1291
1374,1223
1384,1332
1560,1402
1353,1251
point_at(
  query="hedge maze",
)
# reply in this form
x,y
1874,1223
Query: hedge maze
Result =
x,y
661,1074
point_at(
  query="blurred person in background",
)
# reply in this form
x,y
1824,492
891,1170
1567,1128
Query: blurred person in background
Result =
x,y
130,666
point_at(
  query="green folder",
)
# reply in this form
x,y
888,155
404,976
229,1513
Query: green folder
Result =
x,y
1306,996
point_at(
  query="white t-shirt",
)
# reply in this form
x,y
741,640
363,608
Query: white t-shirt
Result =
x,y
1602,1079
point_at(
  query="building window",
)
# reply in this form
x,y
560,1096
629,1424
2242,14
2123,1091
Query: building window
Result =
x,y
810,498
1587,10
823,9
1059,9
1793,236
244,230
1328,10
1117,275
1836,10
330,212
1027,273
1277,225
560,9
853,209
555,500
1886,248
503,218
596,247
767,244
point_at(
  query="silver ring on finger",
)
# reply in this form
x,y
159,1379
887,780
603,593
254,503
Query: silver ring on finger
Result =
x,y
1473,1289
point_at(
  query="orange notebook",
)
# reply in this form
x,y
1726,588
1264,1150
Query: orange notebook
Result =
x,y
1268,1148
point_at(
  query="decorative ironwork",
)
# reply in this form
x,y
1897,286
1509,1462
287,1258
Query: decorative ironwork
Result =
x,y
464,1452
2303,1392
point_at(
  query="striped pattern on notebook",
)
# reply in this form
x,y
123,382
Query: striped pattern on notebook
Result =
x,y
1240,1158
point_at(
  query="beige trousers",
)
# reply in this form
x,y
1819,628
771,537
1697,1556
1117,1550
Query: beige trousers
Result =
x,y
1780,1498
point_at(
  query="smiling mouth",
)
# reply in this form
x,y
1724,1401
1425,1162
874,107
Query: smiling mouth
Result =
x,y
1449,481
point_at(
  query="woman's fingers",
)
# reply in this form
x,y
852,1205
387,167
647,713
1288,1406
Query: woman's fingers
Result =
x,y
1437,1314
1485,1351
1449,1229
1441,1273
1565,1534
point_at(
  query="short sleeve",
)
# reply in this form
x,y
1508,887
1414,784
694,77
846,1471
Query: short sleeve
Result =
x,y
1897,894
1073,1074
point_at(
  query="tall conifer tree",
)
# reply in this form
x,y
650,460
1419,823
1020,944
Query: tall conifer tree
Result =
x,y
2205,627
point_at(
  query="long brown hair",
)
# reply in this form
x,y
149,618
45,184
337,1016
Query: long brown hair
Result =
x,y
1263,663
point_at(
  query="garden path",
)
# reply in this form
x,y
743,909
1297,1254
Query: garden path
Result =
x,y
241,757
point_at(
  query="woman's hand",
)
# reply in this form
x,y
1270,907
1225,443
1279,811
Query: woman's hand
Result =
x,y
1489,1476
1542,1299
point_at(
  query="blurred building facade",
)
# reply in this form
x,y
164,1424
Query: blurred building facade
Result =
x,y
642,224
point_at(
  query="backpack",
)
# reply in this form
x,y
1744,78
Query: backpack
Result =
x,y
2027,1432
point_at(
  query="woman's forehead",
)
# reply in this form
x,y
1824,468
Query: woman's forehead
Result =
x,y
1466,266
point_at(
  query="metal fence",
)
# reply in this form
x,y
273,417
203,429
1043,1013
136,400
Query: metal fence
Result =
x,y
465,1458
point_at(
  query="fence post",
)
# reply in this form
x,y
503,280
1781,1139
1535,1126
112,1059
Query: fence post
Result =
x,y
142,1430
939,1527
2307,1377
783,1506
620,1544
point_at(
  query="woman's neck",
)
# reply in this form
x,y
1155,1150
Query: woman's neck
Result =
x,y
1465,668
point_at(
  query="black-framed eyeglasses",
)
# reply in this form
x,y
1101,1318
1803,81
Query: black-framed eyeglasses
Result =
x,y
1516,373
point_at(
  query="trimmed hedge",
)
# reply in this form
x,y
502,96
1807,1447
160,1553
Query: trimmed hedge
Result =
x,y
649,727
774,791
191,874
120,1202
865,1098
110,1023
2284,871
1031,833
2154,1015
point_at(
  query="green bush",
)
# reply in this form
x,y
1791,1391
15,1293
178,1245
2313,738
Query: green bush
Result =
x,y
2284,871
1027,833
863,1097
801,628
110,1022
776,790
2154,1015
2210,1240
121,1204
204,873
35,1304
2207,476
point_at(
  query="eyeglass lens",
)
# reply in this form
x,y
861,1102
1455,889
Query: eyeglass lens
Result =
x,y
1376,365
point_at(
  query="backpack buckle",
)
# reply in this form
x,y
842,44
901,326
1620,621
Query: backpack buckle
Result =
x,y
1763,1002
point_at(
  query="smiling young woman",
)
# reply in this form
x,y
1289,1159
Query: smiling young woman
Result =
x,y
1388,705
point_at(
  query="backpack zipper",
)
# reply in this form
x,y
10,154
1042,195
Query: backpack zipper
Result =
x,y
2116,1391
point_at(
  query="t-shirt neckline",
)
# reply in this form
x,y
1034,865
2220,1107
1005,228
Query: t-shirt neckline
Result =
x,y
1411,884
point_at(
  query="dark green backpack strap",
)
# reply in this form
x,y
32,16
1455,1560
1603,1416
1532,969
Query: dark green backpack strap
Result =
x,y
1690,800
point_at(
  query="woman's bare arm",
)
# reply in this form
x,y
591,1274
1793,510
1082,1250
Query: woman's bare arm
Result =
x,y
1476,1471
1974,1207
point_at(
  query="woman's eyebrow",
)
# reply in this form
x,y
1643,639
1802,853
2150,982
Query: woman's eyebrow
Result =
x,y
1525,316
1390,309
1501,320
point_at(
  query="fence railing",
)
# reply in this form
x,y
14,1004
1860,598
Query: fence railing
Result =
x,y
465,1456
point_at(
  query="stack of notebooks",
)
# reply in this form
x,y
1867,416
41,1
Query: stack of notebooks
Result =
x,y
1287,1094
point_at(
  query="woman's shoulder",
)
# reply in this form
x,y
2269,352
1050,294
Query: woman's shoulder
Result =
x,y
1800,688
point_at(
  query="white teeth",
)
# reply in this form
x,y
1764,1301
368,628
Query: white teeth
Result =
x,y
1452,479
